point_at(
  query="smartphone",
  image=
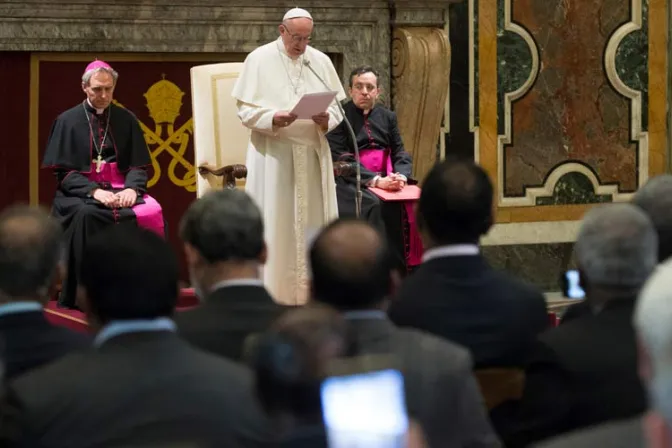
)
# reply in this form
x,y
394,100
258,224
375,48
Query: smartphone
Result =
x,y
571,285
365,409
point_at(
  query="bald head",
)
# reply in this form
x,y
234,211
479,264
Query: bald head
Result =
x,y
350,264
30,250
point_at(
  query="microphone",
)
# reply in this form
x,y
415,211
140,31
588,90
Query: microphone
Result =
x,y
358,171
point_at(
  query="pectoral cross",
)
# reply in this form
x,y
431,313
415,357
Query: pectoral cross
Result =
x,y
99,163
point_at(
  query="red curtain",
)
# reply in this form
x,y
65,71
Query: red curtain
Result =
x,y
14,114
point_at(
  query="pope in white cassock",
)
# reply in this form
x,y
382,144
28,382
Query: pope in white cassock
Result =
x,y
290,172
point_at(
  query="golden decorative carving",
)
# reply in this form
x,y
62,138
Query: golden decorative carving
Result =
x,y
420,80
164,101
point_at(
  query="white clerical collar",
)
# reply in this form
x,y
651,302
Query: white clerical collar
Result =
x,y
98,111
453,250
237,282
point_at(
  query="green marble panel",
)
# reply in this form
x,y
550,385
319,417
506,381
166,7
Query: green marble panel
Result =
x,y
573,188
632,62
514,62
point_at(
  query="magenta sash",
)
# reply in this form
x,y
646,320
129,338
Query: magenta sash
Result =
x,y
149,215
379,161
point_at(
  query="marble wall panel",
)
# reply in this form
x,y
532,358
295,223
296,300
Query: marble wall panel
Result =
x,y
573,111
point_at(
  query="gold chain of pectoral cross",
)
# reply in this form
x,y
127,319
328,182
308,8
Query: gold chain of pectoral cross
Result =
x,y
99,148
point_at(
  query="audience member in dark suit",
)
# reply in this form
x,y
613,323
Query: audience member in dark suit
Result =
x,y
616,251
455,293
654,199
223,234
30,253
140,384
352,271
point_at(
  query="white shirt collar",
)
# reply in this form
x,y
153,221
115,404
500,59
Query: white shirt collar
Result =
x,y
98,111
237,282
453,250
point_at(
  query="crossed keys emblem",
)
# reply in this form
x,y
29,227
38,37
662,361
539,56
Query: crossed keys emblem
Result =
x,y
164,101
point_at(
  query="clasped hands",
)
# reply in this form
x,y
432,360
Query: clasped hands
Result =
x,y
282,119
124,198
393,182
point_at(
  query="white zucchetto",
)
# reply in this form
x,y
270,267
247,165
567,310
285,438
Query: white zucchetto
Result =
x,y
297,13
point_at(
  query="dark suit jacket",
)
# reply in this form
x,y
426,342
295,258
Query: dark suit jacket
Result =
x,y
226,318
441,391
464,300
137,389
28,340
619,434
597,354
378,130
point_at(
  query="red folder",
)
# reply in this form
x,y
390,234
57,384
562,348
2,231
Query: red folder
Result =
x,y
408,193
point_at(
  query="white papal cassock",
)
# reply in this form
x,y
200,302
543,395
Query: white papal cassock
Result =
x,y
290,172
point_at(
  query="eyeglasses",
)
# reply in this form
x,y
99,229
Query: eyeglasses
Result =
x,y
296,38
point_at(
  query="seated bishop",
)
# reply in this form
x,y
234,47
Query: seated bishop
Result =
x,y
98,153
385,165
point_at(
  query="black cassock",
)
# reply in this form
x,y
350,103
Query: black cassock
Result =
x,y
72,148
377,131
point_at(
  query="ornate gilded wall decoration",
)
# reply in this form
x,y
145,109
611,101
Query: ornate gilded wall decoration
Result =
x,y
572,101
164,100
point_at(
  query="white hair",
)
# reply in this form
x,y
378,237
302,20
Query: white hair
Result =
x,y
86,77
653,321
617,246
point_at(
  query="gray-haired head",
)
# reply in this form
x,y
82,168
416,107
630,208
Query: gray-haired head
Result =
x,y
30,251
653,314
224,225
655,198
617,246
86,77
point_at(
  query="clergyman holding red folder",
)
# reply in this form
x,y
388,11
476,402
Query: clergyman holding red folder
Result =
x,y
385,168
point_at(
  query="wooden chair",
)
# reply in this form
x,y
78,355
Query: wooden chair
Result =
x,y
499,385
220,139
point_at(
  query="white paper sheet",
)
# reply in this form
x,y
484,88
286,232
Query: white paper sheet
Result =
x,y
312,104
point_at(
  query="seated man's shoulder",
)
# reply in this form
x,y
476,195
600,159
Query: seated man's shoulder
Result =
x,y
187,317
518,288
72,338
216,370
425,344
623,433
53,379
570,336
386,111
